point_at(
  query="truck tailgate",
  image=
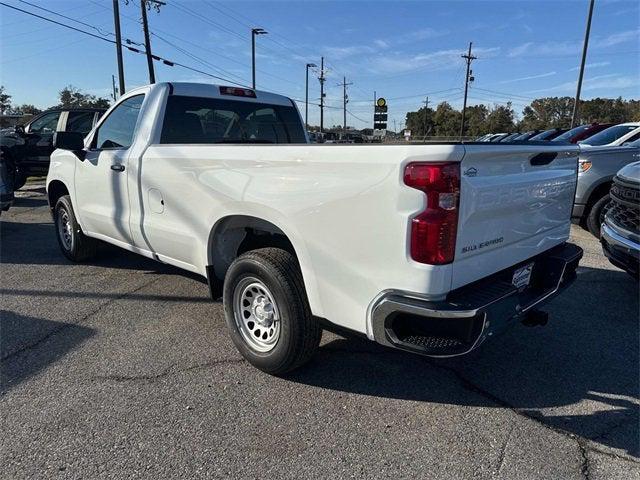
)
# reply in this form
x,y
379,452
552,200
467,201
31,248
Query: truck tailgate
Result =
x,y
515,202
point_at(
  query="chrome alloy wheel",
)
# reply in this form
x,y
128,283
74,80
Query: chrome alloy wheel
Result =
x,y
256,314
65,230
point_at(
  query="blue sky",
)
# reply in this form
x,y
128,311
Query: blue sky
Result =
x,y
402,50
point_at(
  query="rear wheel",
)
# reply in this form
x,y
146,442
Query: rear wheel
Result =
x,y
596,215
75,245
267,311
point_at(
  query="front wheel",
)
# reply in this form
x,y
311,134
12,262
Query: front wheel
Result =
x,y
75,245
267,311
19,181
596,215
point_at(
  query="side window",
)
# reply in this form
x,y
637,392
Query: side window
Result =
x,y
118,128
46,124
80,122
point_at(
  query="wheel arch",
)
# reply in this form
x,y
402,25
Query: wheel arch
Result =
x,y
235,234
55,190
597,192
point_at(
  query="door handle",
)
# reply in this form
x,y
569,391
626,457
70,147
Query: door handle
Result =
x,y
543,158
117,167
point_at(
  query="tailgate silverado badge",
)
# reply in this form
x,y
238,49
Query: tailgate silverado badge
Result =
x,y
470,172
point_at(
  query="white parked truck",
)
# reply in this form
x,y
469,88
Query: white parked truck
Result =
x,y
426,248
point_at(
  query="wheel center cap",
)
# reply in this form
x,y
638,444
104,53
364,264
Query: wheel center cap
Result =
x,y
263,311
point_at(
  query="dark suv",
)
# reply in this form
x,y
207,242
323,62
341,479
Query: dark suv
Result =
x,y
27,149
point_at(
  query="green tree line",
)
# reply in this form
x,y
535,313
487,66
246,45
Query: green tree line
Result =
x,y
68,97
542,113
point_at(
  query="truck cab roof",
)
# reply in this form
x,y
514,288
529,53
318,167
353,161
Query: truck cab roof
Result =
x,y
210,90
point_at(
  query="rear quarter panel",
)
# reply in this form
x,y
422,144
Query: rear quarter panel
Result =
x,y
344,208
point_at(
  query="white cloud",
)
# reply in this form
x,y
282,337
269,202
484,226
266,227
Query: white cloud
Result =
x,y
339,53
531,77
397,63
601,82
618,38
381,43
591,65
572,47
421,34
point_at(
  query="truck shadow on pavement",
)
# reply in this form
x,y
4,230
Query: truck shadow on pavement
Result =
x,y
19,337
578,375
36,244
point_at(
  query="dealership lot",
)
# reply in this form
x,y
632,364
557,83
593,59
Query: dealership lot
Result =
x,y
123,367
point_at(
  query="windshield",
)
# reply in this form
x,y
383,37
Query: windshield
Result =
x,y
609,135
543,135
568,135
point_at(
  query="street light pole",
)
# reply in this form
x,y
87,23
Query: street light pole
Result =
x,y
306,100
574,117
254,32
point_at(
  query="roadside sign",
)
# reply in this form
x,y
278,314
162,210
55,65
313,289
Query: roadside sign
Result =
x,y
380,115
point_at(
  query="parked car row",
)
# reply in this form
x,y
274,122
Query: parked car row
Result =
x,y
605,149
594,134
26,148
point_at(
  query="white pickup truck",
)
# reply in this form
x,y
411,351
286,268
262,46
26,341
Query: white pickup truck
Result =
x,y
426,248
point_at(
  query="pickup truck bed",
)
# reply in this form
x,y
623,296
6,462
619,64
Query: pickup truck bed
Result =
x,y
366,227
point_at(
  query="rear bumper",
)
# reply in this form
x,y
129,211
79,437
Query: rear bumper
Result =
x,y
622,252
471,314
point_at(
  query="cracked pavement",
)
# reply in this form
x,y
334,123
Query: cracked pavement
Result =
x,y
122,368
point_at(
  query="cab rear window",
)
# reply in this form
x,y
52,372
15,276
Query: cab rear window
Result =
x,y
210,120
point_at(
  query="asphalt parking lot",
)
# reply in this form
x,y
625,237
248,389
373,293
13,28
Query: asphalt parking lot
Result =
x,y
123,368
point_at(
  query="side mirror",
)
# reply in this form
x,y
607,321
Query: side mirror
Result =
x,y
73,141
19,129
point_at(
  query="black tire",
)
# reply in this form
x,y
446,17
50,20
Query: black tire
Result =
x,y
596,215
299,333
78,247
19,181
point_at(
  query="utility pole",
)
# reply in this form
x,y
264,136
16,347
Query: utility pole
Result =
x,y
375,99
254,32
306,100
345,100
574,117
113,85
469,59
116,21
322,80
394,126
147,40
426,106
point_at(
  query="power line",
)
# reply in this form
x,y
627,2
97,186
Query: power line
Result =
x,y
196,58
57,23
196,45
128,47
97,29
503,93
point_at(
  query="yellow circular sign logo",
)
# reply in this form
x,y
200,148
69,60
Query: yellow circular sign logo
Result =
x,y
381,102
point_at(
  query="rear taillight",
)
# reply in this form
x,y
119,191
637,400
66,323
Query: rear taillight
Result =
x,y
433,231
